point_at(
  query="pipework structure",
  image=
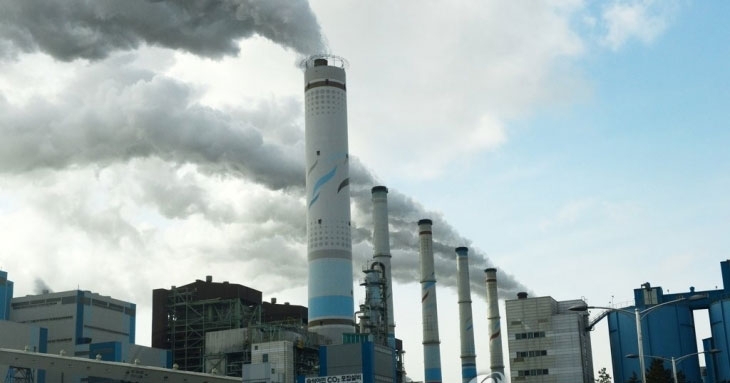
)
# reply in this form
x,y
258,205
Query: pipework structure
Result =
x,y
496,360
466,323
431,342
373,312
381,251
329,244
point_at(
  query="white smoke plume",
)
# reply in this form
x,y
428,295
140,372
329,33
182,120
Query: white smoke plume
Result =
x,y
126,115
73,29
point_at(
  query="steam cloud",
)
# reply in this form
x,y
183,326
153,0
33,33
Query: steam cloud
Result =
x,y
126,114
73,29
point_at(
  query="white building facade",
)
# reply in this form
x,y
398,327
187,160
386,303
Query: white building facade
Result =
x,y
548,342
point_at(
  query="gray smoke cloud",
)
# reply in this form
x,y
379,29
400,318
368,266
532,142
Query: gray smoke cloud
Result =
x,y
73,29
125,114
404,214
118,118
128,114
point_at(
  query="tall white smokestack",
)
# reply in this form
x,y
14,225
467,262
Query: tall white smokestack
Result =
x,y
381,251
329,245
431,342
496,362
466,324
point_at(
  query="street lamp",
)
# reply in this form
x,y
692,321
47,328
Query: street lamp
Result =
x,y
639,315
676,360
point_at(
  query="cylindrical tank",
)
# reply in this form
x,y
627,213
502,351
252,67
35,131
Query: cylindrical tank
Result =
x,y
381,251
329,246
496,361
431,342
466,324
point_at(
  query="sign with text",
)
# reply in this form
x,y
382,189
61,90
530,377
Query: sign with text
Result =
x,y
346,378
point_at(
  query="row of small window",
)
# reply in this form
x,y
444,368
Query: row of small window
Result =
x,y
530,354
533,372
530,335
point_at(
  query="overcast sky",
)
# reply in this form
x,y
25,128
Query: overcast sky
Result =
x,y
579,147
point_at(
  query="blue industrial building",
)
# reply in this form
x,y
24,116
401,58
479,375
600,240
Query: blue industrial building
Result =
x,y
669,331
6,295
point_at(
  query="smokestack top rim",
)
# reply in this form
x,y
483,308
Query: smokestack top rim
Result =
x,y
425,221
490,269
462,249
324,59
379,188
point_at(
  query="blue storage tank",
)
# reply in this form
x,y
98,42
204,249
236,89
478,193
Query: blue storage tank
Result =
x,y
720,325
667,331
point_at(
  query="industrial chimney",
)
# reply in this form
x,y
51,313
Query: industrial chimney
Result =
x,y
329,245
496,363
466,324
431,342
381,251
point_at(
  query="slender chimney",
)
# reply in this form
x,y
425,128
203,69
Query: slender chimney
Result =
x,y
329,243
466,325
431,343
381,251
496,362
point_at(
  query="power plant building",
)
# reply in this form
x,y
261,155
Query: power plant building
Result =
x,y
76,318
669,331
78,324
6,295
547,341
219,326
21,336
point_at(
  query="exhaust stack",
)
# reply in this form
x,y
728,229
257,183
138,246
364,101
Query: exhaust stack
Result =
x,y
466,324
329,243
495,335
381,252
431,342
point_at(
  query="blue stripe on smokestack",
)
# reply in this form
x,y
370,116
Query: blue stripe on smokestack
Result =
x,y
468,372
329,279
329,306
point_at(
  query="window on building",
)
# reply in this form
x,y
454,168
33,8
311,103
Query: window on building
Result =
x,y
533,372
531,354
530,335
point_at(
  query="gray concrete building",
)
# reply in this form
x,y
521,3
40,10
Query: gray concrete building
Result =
x,y
20,336
548,342
76,317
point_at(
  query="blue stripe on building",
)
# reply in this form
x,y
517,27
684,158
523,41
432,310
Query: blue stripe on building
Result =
x,y
322,360
79,316
368,365
132,323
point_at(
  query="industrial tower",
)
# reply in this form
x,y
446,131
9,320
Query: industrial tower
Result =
x,y
329,245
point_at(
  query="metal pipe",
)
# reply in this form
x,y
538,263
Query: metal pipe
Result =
x,y
496,360
431,342
640,340
466,324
